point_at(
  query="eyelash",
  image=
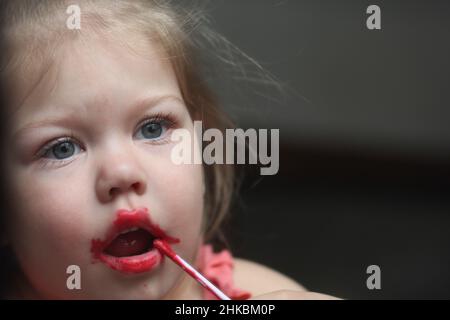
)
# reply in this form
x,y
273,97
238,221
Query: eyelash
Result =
x,y
45,161
168,120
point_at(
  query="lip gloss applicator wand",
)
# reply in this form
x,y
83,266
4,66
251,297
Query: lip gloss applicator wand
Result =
x,y
165,248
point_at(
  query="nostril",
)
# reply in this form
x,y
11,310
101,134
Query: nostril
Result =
x,y
114,191
138,187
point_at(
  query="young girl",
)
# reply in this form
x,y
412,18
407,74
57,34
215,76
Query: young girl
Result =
x,y
89,179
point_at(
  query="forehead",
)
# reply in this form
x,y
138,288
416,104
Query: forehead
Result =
x,y
93,73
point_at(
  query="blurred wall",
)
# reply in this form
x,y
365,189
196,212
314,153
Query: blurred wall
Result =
x,y
365,143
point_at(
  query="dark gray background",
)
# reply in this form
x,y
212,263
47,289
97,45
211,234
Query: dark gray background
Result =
x,y
365,143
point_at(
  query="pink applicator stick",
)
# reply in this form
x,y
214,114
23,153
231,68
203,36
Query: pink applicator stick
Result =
x,y
165,248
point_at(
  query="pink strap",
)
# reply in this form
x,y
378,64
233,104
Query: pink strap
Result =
x,y
218,268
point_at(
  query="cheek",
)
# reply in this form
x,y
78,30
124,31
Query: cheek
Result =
x,y
49,207
182,198
184,193
48,230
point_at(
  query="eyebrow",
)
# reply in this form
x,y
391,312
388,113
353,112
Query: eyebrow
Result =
x,y
145,103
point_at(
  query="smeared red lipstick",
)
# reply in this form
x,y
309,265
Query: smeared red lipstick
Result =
x,y
128,244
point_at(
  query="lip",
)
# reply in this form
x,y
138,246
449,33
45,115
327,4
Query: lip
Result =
x,y
127,219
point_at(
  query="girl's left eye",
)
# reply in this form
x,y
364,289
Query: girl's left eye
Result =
x,y
152,129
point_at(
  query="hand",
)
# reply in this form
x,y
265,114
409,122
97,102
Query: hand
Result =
x,y
293,295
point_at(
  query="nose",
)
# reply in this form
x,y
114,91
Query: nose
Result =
x,y
120,175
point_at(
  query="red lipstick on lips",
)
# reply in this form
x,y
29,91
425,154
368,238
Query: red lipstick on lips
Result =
x,y
128,244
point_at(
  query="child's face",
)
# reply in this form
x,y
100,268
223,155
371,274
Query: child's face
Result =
x,y
70,195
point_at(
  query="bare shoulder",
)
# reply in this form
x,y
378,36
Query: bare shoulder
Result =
x,y
260,279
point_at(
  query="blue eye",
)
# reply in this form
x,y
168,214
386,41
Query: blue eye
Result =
x,y
61,149
154,128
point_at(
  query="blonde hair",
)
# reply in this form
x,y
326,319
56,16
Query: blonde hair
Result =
x,y
33,30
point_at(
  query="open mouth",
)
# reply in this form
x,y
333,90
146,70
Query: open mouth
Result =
x,y
128,245
131,242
